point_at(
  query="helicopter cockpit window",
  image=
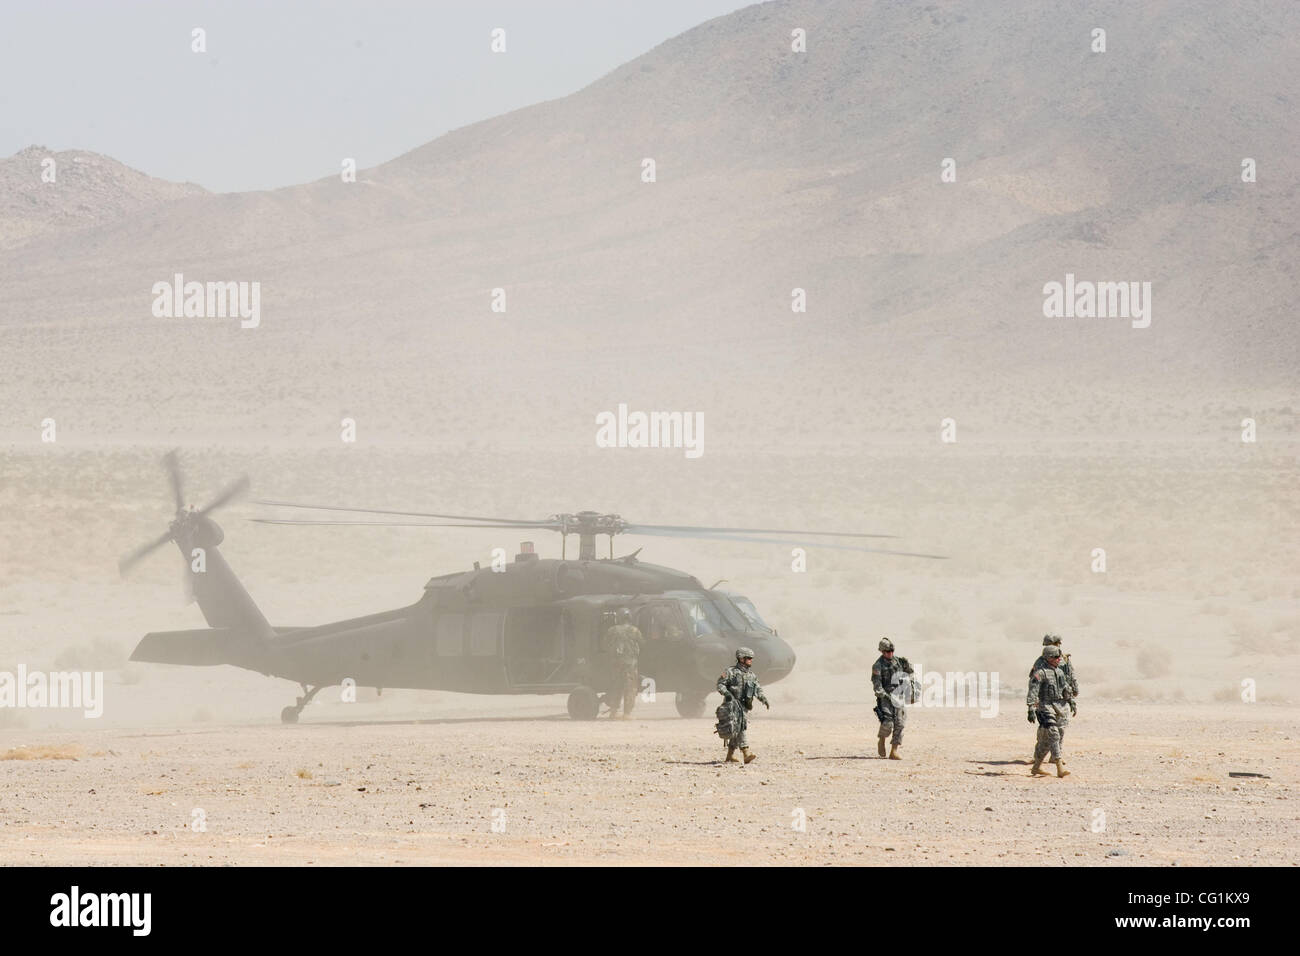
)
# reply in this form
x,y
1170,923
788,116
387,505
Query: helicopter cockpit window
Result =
x,y
730,613
751,613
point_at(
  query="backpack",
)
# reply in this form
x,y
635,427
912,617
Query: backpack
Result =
x,y
726,726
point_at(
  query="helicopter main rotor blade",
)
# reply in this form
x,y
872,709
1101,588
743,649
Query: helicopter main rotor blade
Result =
x,y
403,524
233,490
131,559
172,462
641,529
686,529
518,522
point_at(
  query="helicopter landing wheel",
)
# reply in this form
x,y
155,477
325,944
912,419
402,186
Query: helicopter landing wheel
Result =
x,y
583,704
290,714
690,705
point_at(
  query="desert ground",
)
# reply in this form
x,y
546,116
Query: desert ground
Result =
x,y
1200,596
801,272
1149,786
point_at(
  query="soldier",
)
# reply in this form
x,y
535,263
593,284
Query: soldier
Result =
x,y
623,642
1055,639
1048,698
739,687
891,679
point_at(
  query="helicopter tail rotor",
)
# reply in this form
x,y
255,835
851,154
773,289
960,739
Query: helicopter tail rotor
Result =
x,y
208,578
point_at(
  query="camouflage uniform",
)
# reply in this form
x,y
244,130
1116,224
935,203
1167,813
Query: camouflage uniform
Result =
x,y
1050,692
623,641
1066,667
1051,640
739,684
891,680
1071,682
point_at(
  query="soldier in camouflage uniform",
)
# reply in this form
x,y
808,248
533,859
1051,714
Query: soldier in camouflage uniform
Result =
x,y
891,679
623,644
1048,699
739,689
1054,640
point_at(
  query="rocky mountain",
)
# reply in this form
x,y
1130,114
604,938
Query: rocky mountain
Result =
x,y
775,170
45,192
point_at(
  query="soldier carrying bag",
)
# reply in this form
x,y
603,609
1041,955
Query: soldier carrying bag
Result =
x,y
727,719
909,689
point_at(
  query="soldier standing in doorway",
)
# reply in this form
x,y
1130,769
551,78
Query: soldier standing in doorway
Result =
x,y
623,644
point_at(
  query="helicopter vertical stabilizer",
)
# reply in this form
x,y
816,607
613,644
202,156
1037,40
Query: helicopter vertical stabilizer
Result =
x,y
216,589
209,580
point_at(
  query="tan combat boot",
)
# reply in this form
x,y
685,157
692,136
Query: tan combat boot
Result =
x,y
749,754
893,753
1060,768
731,756
1037,769
880,746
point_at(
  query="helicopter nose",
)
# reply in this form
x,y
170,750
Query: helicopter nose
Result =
x,y
776,660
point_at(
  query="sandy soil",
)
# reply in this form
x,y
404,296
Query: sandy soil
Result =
x,y
1201,600
651,791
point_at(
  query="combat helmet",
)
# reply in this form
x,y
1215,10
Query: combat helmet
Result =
x,y
885,644
742,653
1053,653
1049,639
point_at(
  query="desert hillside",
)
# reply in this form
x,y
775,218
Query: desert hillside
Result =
x,y
775,170
48,192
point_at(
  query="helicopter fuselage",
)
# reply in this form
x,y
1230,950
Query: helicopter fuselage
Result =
x,y
535,627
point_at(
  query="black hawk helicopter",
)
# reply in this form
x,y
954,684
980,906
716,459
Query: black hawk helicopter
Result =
x,y
533,626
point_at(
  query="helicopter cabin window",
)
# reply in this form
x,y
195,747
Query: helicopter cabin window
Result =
x,y
659,622
485,634
703,616
451,635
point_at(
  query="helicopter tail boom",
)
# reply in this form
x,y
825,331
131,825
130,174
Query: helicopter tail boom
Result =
x,y
204,647
225,604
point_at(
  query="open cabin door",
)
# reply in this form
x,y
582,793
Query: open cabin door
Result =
x,y
663,633
535,645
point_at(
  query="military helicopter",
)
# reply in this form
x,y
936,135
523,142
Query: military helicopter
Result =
x,y
532,626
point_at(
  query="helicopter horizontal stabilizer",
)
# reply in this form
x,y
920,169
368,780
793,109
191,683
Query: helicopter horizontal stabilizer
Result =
x,y
204,647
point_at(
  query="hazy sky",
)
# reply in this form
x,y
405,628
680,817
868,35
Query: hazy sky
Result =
x,y
287,89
